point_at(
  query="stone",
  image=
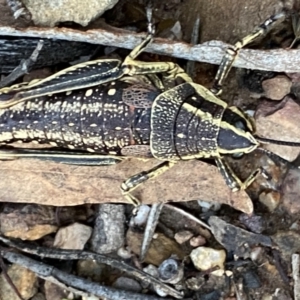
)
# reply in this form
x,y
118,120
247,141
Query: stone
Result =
x,y
27,221
124,253
270,199
205,258
73,236
171,271
141,217
290,192
160,249
277,87
279,122
152,270
33,233
54,292
183,236
50,13
24,280
93,270
128,284
197,241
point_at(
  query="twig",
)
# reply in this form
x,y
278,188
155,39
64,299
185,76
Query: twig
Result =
x,y
295,268
237,292
24,67
190,66
188,215
279,267
19,9
78,254
150,228
279,60
48,272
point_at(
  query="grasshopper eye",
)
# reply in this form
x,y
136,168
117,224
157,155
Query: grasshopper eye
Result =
x,y
240,125
237,155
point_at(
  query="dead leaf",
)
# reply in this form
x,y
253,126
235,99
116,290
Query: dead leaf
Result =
x,y
49,183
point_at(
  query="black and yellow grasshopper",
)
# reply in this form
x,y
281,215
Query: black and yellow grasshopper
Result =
x,y
116,108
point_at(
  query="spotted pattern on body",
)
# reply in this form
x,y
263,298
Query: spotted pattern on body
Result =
x,y
93,119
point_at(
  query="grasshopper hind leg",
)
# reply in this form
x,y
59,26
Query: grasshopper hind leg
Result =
x,y
65,157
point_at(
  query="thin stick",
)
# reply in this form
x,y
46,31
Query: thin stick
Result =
x,y
295,268
19,9
78,254
48,272
278,60
24,66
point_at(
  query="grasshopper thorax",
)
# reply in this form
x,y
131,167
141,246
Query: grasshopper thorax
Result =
x,y
189,121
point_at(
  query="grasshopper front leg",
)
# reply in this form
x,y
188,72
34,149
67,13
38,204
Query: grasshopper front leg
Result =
x,y
233,51
134,181
232,180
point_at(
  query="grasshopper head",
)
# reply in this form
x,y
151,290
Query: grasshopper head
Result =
x,y
236,133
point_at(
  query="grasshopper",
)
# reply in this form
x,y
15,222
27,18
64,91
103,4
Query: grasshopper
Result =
x,y
116,109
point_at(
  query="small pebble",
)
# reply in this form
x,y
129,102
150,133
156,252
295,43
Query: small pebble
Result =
x,y
256,253
276,88
24,280
270,199
90,297
253,222
295,226
228,273
151,270
93,270
206,206
183,236
170,271
251,280
290,192
54,291
141,217
128,284
124,253
197,241
176,30
73,237
205,258
160,292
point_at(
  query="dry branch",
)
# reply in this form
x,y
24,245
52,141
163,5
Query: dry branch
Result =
x,y
53,274
279,60
66,254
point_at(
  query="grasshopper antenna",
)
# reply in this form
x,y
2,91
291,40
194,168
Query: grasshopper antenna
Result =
x,y
276,142
275,157
271,154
